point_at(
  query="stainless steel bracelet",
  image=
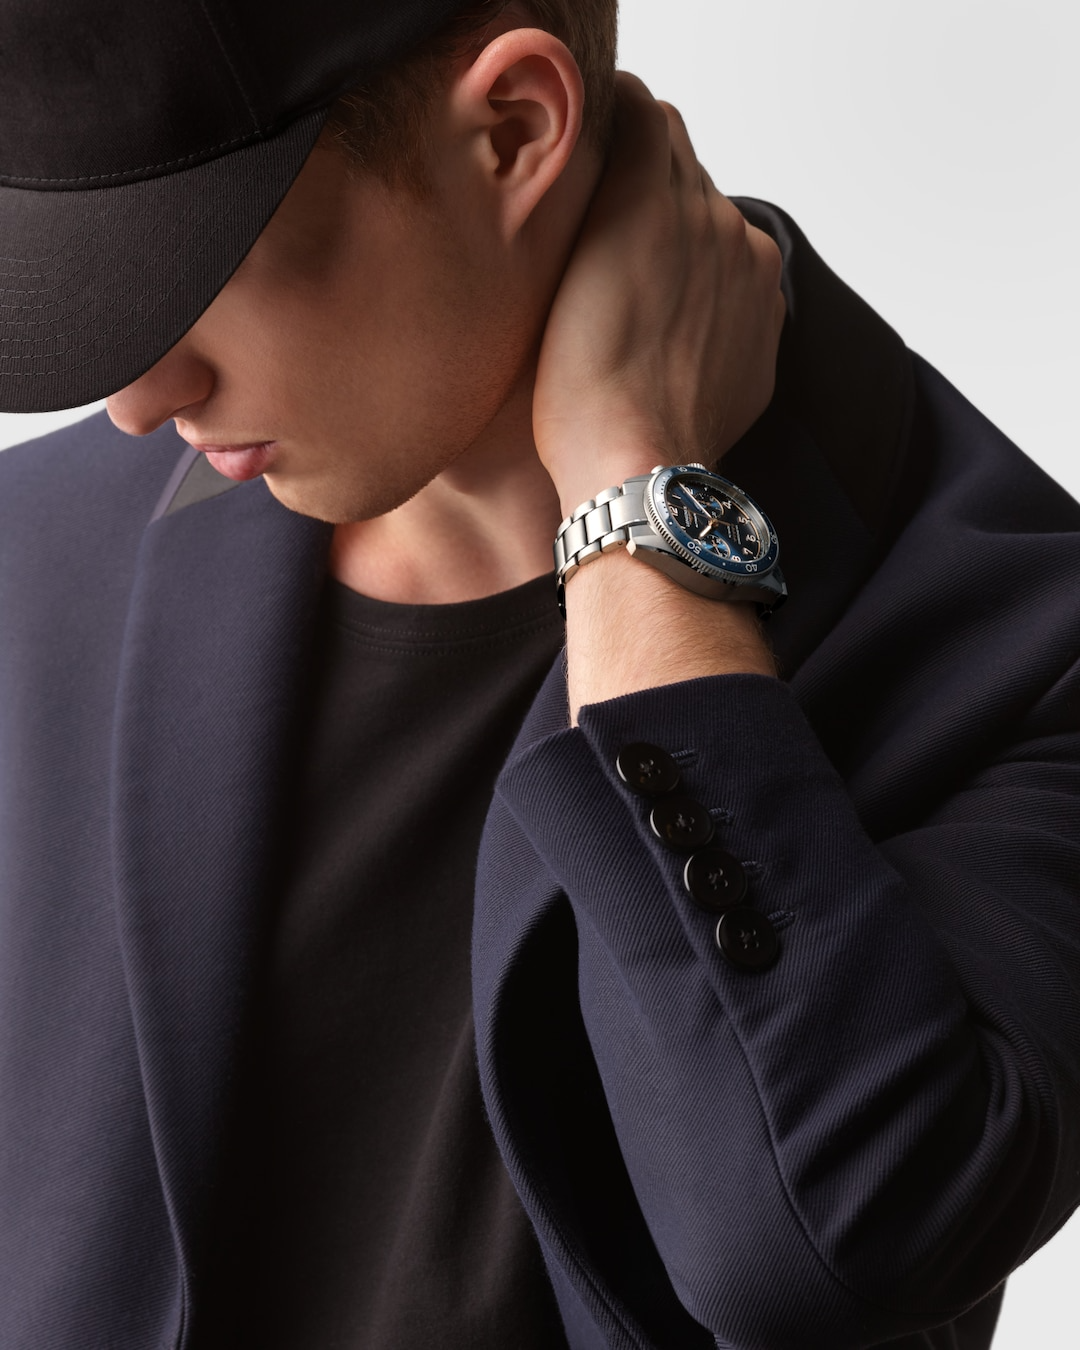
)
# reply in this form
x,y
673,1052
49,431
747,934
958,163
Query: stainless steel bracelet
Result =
x,y
599,525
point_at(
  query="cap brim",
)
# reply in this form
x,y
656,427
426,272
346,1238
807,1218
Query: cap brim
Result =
x,y
96,286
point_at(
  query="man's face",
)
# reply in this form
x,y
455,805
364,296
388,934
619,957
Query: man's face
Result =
x,y
369,338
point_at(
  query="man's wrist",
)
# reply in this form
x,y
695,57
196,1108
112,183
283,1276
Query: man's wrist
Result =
x,y
584,486
585,461
630,628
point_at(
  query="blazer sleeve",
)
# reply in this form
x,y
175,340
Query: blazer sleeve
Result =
x,y
867,1136
862,1139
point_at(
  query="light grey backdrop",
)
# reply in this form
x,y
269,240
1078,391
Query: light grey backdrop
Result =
x,y
929,150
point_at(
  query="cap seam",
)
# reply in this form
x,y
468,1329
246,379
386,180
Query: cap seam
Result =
x,y
231,64
155,231
54,261
201,155
258,134
92,342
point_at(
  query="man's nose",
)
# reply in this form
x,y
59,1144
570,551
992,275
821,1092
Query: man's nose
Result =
x,y
179,382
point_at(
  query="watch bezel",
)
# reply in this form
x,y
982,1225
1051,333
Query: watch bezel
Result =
x,y
681,543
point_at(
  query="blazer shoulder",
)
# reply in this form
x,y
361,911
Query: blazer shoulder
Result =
x,y
843,373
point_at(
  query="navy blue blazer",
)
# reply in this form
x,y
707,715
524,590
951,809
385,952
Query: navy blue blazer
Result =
x,y
855,1145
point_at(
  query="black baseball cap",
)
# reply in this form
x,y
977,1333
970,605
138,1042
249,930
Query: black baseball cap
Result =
x,y
144,144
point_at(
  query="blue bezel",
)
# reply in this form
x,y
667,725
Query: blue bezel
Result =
x,y
687,547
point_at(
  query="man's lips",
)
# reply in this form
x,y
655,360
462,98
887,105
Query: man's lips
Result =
x,y
238,462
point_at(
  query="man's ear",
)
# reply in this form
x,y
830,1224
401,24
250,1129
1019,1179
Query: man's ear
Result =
x,y
516,111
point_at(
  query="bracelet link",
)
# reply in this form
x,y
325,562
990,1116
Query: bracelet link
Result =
x,y
596,527
598,522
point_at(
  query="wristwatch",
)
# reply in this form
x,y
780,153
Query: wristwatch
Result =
x,y
687,522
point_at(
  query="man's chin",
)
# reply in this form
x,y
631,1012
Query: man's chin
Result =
x,y
329,503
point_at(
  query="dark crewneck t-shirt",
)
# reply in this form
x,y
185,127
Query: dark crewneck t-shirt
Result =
x,y
382,1217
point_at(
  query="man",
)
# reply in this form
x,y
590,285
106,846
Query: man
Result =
x,y
774,983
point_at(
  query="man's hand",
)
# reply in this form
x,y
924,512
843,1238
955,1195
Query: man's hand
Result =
x,y
660,348
661,343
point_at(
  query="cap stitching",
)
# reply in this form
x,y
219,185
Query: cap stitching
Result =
x,y
61,253
152,230
11,181
68,369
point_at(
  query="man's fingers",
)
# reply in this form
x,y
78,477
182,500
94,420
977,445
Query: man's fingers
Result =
x,y
651,144
684,161
687,173
641,145
768,255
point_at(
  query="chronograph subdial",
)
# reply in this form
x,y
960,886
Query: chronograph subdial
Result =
x,y
715,525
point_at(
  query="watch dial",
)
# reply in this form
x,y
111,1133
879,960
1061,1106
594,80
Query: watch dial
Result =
x,y
716,527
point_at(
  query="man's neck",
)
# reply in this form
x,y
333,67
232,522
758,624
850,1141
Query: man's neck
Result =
x,y
482,526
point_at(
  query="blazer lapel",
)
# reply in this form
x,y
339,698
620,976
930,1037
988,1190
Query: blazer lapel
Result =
x,y
214,654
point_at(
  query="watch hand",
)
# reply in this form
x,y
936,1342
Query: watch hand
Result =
x,y
691,501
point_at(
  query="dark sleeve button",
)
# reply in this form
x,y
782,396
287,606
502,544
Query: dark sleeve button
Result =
x,y
647,769
681,823
715,880
747,938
